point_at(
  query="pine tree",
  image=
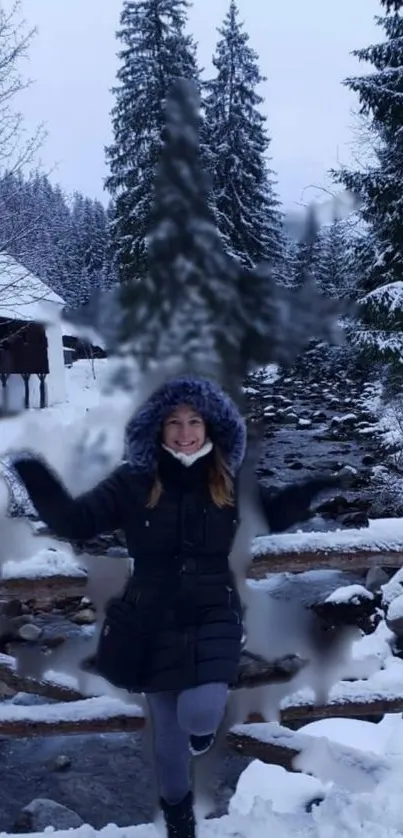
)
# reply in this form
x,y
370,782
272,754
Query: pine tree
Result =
x,y
197,303
334,268
155,51
306,261
64,243
379,187
186,306
289,270
247,208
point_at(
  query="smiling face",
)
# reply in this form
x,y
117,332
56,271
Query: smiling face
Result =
x,y
184,430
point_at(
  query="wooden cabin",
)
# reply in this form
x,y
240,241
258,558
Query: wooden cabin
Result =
x,y
32,372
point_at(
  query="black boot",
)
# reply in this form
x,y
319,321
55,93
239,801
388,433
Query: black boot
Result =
x,y
179,818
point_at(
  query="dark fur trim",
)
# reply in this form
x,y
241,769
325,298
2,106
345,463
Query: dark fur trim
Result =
x,y
226,426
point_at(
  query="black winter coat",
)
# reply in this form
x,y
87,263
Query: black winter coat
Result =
x,y
189,612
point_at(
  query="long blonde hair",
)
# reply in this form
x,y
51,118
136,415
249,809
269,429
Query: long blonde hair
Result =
x,y
221,484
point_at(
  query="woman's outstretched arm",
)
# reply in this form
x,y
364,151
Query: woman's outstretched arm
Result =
x,y
93,512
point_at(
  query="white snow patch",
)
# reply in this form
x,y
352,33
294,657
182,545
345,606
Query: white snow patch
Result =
x,y
48,562
285,791
395,609
383,534
100,707
347,417
349,593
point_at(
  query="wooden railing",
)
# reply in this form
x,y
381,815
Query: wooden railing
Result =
x,y
75,713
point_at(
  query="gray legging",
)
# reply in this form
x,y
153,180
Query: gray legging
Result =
x,y
175,716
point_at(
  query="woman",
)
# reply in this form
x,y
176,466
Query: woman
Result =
x,y
176,499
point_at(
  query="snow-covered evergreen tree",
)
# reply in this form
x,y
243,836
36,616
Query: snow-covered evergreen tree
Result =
x,y
289,270
90,236
197,304
64,243
380,187
247,207
307,251
185,306
334,271
155,51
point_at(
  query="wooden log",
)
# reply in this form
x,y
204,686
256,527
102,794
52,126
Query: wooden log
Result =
x,y
272,751
276,745
24,728
92,715
315,560
355,707
44,590
21,683
102,715
253,672
341,707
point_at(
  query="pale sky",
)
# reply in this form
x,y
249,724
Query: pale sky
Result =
x,y
304,48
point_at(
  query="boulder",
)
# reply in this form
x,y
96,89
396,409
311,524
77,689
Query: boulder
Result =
x,y
353,605
43,813
85,617
62,762
30,632
368,460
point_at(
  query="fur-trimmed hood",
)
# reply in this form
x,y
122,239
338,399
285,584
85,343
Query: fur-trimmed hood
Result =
x,y
226,427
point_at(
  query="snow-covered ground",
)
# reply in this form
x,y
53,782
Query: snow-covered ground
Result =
x,y
353,784
271,801
83,393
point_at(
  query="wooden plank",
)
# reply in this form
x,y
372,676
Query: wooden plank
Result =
x,y
301,562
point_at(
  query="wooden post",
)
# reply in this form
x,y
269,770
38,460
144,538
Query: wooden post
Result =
x,y
4,401
42,389
25,377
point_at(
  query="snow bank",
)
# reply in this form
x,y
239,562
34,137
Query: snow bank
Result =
x,y
286,792
258,810
384,534
82,393
44,564
270,801
354,733
383,685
